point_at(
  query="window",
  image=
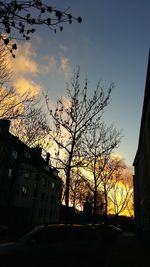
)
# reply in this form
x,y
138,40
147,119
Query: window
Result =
x,y
55,172
10,172
46,168
25,190
14,154
53,185
27,154
27,174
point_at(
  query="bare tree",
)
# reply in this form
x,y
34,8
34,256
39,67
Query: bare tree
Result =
x,y
20,19
12,103
5,71
121,191
111,166
78,189
97,147
130,205
32,130
28,121
72,119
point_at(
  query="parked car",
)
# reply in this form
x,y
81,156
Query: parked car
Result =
x,y
52,244
109,232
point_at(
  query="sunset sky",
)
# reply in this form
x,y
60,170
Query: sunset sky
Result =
x,y
111,44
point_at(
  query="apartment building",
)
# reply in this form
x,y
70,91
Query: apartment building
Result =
x,y
30,189
141,165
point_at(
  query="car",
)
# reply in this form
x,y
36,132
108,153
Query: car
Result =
x,y
109,232
52,244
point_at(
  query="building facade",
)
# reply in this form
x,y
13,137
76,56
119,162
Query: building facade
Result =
x,y
30,189
141,165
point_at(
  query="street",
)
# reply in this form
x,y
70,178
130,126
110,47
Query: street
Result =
x,y
128,251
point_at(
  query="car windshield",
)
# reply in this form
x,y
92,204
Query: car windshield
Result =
x,y
28,236
52,234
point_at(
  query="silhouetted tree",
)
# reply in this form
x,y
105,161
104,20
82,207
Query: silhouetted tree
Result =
x,y
71,119
111,166
5,70
32,130
130,205
14,104
20,19
97,146
121,192
78,189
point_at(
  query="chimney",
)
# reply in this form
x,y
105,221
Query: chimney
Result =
x,y
4,126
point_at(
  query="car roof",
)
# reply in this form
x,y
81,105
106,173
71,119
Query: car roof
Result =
x,y
58,228
63,225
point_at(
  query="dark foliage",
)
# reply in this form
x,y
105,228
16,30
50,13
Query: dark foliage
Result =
x,y
18,19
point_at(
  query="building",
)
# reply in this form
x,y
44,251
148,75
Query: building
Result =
x,y
141,179
30,189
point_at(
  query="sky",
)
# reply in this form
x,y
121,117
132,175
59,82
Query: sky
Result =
x,y
111,45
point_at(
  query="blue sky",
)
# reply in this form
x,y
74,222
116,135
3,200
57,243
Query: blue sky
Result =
x,y
112,45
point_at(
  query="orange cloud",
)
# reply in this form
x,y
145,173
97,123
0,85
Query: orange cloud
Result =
x,y
25,61
22,85
25,67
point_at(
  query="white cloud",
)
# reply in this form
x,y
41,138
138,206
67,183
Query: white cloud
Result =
x,y
65,66
63,48
50,64
26,68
